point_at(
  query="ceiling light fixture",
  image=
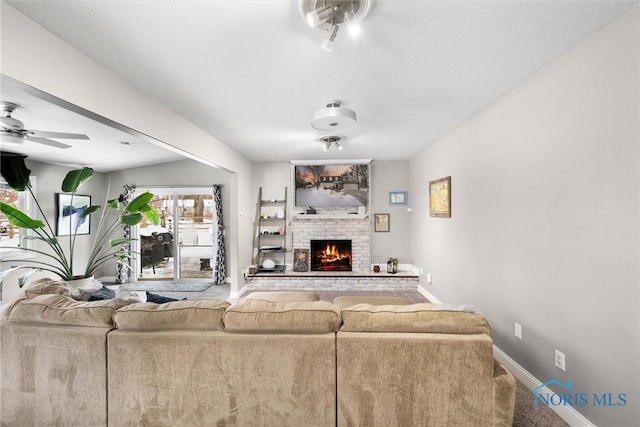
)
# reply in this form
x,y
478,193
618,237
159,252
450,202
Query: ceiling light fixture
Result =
x,y
333,118
327,44
331,140
327,15
320,15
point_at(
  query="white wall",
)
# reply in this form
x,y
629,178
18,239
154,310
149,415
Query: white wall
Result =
x,y
48,182
545,219
79,80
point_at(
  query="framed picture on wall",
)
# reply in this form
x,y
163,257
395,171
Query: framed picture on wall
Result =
x,y
381,222
301,260
398,198
440,198
70,208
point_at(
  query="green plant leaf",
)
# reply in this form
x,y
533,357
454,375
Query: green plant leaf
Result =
x,y
49,240
20,219
14,170
153,216
139,202
131,219
89,211
121,241
114,204
75,179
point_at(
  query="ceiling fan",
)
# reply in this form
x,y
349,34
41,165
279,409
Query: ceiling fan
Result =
x,y
12,131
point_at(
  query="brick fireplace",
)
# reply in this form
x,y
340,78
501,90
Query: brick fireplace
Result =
x,y
356,228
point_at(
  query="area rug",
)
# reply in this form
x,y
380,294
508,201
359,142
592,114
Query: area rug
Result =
x,y
172,286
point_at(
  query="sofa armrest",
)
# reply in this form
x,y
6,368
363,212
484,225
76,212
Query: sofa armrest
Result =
x,y
504,396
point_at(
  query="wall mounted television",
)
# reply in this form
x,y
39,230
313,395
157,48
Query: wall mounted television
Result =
x,y
331,185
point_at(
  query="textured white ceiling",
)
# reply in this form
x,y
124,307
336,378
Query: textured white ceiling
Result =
x,y
251,73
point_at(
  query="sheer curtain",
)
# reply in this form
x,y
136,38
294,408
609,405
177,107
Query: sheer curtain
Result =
x,y
218,238
122,275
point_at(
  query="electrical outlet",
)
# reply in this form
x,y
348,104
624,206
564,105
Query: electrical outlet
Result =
x,y
518,330
429,278
560,360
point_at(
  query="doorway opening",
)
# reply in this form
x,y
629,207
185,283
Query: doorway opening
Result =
x,y
182,246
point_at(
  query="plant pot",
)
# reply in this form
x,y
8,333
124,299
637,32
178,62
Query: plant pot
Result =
x,y
81,282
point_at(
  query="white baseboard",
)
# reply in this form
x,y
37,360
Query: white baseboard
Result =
x,y
567,413
236,295
428,295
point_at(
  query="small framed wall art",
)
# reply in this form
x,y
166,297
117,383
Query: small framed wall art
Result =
x,y
440,198
301,260
70,209
381,222
398,198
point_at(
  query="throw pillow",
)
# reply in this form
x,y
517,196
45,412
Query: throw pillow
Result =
x,y
158,299
103,293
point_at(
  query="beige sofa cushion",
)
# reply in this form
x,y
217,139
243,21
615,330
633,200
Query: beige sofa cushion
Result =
x,y
178,315
351,300
45,287
258,316
54,309
412,318
285,296
37,287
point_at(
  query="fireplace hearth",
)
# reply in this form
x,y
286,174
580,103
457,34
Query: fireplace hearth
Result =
x,y
331,255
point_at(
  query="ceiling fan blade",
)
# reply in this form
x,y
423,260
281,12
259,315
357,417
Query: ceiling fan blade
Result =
x,y
62,135
48,142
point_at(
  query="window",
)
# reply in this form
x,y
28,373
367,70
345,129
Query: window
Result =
x,y
11,237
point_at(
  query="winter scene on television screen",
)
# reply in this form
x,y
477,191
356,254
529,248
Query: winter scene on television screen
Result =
x,y
332,185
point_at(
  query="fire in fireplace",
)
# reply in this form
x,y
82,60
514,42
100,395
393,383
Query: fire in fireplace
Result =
x,y
330,255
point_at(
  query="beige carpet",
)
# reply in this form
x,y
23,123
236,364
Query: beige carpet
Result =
x,y
527,416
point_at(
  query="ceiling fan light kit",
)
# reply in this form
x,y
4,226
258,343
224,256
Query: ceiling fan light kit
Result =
x,y
327,15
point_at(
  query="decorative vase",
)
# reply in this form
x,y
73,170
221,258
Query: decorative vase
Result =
x,y
80,282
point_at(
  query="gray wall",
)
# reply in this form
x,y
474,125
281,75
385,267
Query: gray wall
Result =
x,y
389,176
545,219
386,176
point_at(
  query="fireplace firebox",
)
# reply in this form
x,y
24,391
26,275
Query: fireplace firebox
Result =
x,y
331,255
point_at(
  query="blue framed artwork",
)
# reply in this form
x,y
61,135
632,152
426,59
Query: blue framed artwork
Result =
x,y
71,220
398,198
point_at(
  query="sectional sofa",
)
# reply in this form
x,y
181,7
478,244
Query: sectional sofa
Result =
x,y
256,362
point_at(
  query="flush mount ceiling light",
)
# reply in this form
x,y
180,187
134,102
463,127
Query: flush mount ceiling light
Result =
x,y
333,118
328,15
328,141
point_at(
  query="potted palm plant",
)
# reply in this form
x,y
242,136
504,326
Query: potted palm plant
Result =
x,y
59,258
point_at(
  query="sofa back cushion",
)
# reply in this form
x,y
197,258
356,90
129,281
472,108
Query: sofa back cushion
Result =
x,y
427,318
36,288
47,286
55,309
178,315
303,317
